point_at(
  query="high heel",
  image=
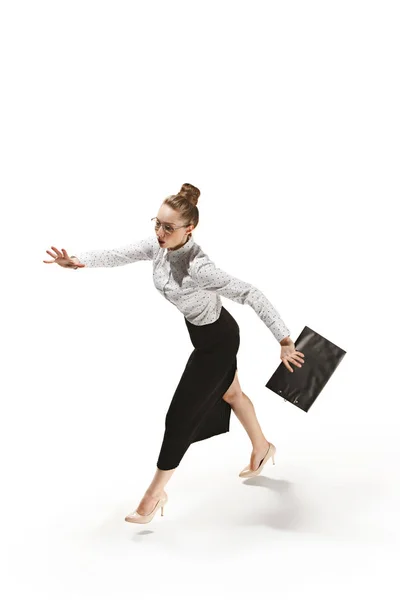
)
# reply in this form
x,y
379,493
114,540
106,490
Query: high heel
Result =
x,y
135,517
247,472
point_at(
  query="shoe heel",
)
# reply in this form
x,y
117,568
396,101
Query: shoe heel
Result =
x,y
162,511
273,459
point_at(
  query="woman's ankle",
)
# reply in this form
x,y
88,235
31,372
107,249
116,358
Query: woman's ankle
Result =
x,y
260,445
155,493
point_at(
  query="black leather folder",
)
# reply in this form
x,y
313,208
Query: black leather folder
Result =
x,y
303,386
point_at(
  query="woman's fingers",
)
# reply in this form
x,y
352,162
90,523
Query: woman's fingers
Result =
x,y
294,360
56,254
56,251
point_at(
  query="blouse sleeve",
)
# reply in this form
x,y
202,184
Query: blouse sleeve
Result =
x,y
211,278
117,257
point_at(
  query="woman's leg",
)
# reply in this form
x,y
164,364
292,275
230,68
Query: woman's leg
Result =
x,y
243,408
245,412
154,491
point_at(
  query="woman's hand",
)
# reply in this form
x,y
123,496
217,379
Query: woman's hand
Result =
x,y
62,259
289,353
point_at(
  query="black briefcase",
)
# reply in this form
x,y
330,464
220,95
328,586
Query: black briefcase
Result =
x,y
303,386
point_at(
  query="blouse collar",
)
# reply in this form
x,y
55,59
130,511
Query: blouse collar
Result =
x,y
172,254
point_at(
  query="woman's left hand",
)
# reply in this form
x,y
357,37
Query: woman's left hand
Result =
x,y
290,354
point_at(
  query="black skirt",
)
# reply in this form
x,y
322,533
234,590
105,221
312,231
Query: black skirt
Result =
x,y
197,410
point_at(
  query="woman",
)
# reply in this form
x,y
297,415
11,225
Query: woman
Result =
x,y
209,387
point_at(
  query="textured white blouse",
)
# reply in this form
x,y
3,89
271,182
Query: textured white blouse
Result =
x,y
189,279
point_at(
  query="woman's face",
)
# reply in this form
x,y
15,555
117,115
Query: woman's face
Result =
x,y
171,218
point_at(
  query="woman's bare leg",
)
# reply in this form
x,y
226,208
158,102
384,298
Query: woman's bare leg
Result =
x,y
154,491
243,408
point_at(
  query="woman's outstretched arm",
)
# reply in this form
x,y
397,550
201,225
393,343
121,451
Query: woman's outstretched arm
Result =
x,y
122,255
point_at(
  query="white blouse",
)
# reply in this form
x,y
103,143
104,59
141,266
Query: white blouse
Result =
x,y
189,279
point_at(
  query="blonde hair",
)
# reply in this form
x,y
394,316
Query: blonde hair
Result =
x,y
185,203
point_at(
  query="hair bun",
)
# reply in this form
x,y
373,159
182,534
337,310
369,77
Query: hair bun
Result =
x,y
190,192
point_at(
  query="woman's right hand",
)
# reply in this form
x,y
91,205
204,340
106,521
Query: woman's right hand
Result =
x,y
62,259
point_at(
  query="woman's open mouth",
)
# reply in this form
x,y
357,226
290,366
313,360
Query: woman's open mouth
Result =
x,y
161,241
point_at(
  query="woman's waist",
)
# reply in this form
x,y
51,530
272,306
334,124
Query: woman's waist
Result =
x,y
221,329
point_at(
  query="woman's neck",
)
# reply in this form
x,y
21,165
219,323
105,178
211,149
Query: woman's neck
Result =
x,y
180,246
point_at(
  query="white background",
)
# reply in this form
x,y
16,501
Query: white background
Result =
x,y
286,116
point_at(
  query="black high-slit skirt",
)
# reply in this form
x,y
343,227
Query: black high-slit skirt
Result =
x,y
197,410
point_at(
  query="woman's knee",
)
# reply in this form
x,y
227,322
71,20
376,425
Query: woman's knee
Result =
x,y
233,398
234,392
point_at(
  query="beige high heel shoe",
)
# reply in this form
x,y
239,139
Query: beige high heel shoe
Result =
x,y
135,517
247,472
